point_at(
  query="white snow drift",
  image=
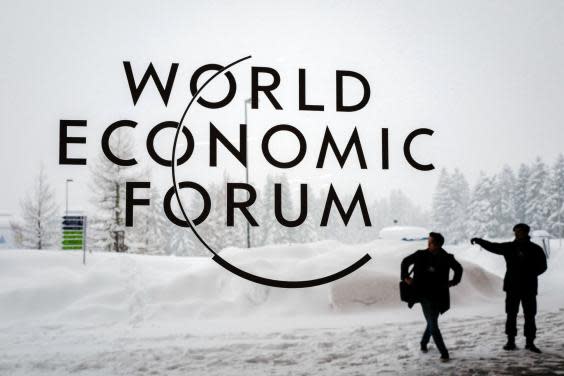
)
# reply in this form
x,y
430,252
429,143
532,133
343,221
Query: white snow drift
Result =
x,y
54,285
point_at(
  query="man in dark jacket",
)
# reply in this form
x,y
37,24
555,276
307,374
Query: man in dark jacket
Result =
x,y
431,282
525,262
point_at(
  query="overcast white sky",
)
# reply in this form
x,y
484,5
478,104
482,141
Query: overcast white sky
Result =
x,y
487,76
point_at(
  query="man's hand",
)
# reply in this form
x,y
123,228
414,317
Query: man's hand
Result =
x,y
408,280
474,240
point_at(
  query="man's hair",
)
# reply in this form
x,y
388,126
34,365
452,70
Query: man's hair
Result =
x,y
522,226
438,239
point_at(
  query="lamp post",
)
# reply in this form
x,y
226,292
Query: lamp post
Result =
x,y
247,101
67,195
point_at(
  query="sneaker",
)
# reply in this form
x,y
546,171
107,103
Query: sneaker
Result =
x,y
510,345
424,349
531,347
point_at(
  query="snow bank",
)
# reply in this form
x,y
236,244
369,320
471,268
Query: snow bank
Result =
x,y
54,285
377,283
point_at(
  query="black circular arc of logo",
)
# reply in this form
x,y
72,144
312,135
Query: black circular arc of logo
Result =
x,y
216,257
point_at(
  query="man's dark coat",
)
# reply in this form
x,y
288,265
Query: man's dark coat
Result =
x,y
431,275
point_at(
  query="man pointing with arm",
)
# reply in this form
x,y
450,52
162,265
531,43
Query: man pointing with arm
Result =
x,y
525,261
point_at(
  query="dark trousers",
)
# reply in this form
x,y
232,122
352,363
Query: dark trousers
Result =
x,y
431,313
529,302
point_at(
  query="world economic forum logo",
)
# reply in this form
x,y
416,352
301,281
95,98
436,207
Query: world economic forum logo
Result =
x,y
240,153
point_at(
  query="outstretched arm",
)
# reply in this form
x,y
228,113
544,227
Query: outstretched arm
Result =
x,y
457,268
405,264
497,248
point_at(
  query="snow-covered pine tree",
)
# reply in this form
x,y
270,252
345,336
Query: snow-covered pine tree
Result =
x,y
108,195
379,214
238,232
482,220
315,209
39,225
556,198
459,194
537,195
282,234
353,232
504,195
214,229
443,206
336,229
181,241
521,193
400,207
406,212
323,232
150,231
262,234
306,232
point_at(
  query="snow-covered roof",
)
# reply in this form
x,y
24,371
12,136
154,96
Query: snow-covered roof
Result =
x,y
404,233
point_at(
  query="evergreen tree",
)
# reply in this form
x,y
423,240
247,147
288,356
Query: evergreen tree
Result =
x,y
316,206
108,195
181,241
336,229
521,193
402,211
214,228
237,234
482,220
150,227
306,232
537,195
555,198
263,234
459,195
400,207
504,195
311,232
444,209
38,227
380,214
353,232
282,234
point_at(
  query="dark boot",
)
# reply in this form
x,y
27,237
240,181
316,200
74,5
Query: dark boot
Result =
x,y
424,348
531,347
510,345
445,357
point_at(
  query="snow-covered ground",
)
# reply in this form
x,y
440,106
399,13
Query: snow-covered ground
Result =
x,y
127,314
